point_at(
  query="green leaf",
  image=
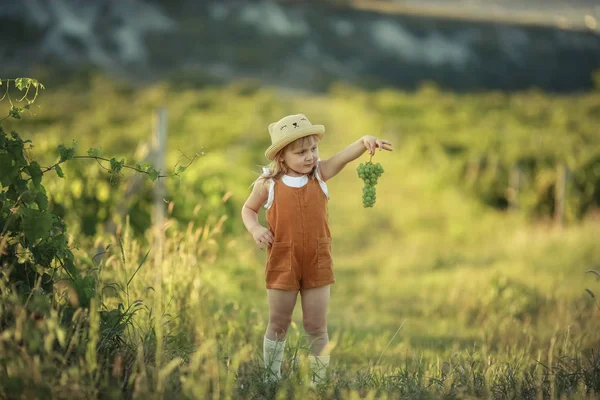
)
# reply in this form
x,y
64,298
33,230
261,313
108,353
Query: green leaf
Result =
x,y
15,112
94,152
114,179
88,293
8,168
153,173
59,171
36,224
66,153
35,172
28,196
42,201
89,282
15,148
22,83
15,385
180,169
16,136
19,185
115,165
35,83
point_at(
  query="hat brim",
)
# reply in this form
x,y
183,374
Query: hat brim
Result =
x,y
318,130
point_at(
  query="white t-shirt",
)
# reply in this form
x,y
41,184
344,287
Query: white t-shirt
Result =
x,y
294,181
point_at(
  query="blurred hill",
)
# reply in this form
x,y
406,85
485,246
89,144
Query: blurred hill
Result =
x,y
308,45
572,14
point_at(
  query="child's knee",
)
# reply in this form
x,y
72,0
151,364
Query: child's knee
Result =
x,y
280,324
315,328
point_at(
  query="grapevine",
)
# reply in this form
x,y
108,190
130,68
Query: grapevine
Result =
x,y
33,238
370,174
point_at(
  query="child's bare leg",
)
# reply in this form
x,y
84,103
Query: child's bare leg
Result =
x,y
315,302
281,309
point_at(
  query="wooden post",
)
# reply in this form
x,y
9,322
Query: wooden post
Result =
x,y
159,146
559,194
159,149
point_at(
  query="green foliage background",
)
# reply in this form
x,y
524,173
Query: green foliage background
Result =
x,y
475,139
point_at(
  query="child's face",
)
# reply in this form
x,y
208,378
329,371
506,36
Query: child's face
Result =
x,y
301,155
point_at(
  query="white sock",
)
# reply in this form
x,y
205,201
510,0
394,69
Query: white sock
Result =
x,y
318,365
273,355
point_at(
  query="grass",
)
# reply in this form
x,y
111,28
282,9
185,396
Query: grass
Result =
x,y
483,308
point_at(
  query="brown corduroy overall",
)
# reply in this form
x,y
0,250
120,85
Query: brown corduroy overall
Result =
x,y
300,256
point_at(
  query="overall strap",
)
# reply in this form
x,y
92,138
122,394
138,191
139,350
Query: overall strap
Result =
x,y
320,179
269,203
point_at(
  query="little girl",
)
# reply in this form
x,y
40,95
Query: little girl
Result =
x,y
298,238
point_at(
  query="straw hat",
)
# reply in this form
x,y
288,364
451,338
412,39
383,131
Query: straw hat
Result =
x,y
288,129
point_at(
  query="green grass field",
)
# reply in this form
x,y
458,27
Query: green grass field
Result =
x,y
491,303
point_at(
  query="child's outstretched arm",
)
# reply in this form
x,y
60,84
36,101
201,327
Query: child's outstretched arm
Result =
x,y
332,166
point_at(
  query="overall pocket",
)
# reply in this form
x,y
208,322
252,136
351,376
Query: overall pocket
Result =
x,y
280,257
324,259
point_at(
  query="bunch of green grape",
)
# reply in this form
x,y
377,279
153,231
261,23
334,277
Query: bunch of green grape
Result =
x,y
369,173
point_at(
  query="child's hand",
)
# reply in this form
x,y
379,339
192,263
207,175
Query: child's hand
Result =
x,y
263,236
371,143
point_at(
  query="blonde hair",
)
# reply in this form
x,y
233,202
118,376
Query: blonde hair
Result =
x,y
277,167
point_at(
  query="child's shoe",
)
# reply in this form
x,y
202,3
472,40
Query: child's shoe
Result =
x,y
318,366
272,356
